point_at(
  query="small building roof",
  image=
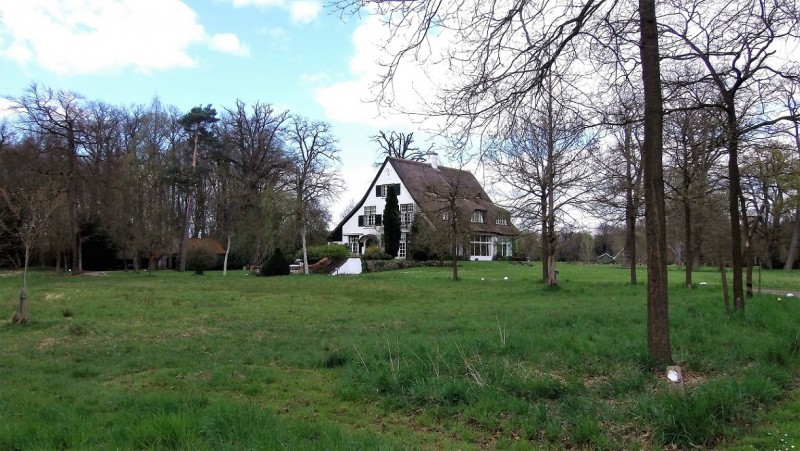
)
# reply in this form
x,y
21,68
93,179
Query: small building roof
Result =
x,y
208,243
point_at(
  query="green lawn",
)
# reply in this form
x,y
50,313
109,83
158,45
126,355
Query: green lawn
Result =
x,y
399,359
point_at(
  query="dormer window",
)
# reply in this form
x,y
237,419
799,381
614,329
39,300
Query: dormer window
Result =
x,y
478,216
502,219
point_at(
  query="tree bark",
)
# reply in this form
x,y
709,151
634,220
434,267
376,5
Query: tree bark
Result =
x,y
792,254
687,234
734,190
658,340
630,209
225,261
72,199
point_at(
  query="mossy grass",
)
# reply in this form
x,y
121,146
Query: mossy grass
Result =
x,y
390,360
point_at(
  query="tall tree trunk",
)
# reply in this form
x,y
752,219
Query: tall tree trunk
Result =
x,y
305,249
72,200
21,315
544,241
630,208
184,247
658,342
687,235
225,261
734,192
551,241
792,255
189,207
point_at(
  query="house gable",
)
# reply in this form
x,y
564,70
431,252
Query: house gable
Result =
x,y
417,184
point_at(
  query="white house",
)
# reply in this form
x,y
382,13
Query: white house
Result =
x,y
421,188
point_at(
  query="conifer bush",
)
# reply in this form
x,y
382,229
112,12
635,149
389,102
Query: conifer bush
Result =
x,y
275,265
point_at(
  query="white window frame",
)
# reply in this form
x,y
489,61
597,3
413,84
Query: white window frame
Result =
x,y
481,246
478,216
401,252
369,216
353,243
406,215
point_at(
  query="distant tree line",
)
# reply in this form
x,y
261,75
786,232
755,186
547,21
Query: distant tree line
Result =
x,y
143,179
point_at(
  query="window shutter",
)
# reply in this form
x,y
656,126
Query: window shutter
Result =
x,y
377,191
378,220
361,221
397,189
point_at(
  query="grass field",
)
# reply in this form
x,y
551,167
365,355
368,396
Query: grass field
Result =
x,y
403,359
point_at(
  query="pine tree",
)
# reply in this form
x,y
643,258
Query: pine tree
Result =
x,y
391,223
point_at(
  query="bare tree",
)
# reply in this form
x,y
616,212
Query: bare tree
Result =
x,y
543,162
398,145
29,209
618,174
447,220
732,45
694,148
57,118
793,107
504,52
314,176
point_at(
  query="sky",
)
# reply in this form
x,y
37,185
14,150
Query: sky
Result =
x,y
295,54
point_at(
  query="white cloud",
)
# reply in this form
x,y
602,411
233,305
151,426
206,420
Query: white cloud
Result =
x,y
314,78
300,11
262,3
229,43
89,36
305,11
352,100
6,108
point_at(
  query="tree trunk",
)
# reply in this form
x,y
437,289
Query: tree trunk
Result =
x,y
630,209
792,255
72,200
544,241
658,342
184,247
305,250
687,235
21,315
225,261
724,277
189,207
734,190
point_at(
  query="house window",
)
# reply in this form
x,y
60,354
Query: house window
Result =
x,y
478,215
406,215
504,247
352,241
401,253
502,219
369,216
445,216
383,190
481,246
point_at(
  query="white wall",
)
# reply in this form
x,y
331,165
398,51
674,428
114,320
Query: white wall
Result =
x,y
387,177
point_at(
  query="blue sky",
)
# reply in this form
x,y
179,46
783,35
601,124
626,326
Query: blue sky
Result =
x,y
294,54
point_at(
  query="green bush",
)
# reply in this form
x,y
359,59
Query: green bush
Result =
x,y
200,259
375,253
275,265
334,252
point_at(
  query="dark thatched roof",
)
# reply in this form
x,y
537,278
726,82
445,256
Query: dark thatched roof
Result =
x,y
433,188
